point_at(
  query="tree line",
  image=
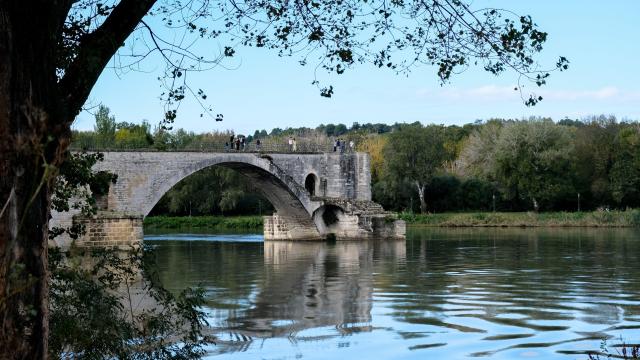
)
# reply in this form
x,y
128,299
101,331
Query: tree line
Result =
x,y
499,164
513,165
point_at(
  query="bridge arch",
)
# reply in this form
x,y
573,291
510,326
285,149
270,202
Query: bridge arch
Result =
x,y
142,184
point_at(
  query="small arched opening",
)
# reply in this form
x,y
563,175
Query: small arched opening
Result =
x,y
328,219
310,184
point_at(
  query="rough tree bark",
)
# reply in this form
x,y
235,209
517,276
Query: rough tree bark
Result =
x,y
36,112
31,139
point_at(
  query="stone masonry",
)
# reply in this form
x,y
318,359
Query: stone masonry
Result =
x,y
111,229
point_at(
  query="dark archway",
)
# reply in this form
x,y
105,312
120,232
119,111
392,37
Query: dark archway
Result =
x,y
310,184
328,218
330,215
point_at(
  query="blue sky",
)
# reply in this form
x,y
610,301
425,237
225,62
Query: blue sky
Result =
x,y
263,91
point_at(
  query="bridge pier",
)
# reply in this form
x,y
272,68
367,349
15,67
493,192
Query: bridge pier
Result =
x,y
110,229
349,227
278,227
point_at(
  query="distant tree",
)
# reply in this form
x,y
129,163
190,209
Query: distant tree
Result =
x,y
330,130
478,154
105,127
415,153
133,136
374,146
625,171
533,162
340,129
570,122
593,160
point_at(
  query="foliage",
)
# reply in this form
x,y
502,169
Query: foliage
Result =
x,y
105,128
415,153
625,171
477,157
374,146
213,190
598,218
532,162
71,188
204,222
92,314
96,311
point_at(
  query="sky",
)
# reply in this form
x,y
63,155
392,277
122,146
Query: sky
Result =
x,y
259,90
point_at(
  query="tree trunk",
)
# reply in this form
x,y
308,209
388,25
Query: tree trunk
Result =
x,y
536,206
423,202
33,134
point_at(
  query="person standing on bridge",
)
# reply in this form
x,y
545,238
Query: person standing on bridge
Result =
x,y
242,143
352,145
295,145
237,144
336,144
258,145
231,141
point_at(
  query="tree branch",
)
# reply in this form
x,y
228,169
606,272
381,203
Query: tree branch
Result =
x,y
95,51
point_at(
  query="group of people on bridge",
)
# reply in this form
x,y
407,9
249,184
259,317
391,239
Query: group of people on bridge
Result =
x,y
341,145
241,143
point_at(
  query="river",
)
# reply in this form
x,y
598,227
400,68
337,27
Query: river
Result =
x,y
442,294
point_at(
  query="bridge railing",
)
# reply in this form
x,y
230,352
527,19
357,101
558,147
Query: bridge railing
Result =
x,y
266,146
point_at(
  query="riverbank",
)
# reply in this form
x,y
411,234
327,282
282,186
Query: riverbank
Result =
x,y
203,222
628,218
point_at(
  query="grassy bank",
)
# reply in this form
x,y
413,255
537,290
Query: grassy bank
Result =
x,y
628,218
204,222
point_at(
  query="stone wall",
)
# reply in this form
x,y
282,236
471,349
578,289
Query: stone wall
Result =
x,y
277,227
346,176
111,229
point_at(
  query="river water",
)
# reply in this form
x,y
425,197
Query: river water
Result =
x,y
442,294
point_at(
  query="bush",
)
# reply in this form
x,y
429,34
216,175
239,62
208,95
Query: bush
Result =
x,y
93,314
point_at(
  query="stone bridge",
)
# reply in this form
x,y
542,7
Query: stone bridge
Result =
x,y
314,195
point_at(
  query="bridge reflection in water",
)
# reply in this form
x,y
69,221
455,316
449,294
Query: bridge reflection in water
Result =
x,y
314,285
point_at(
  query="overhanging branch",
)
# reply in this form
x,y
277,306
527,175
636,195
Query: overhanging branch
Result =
x,y
95,51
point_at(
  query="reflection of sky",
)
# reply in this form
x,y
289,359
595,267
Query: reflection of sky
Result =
x,y
496,294
265,91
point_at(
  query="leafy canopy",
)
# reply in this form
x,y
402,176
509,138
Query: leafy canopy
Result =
x,y
327,34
